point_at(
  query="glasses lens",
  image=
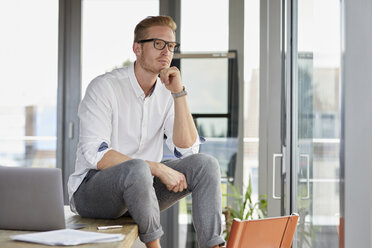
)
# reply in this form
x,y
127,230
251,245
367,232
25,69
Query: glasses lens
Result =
x,y
176,47
172,46
159,44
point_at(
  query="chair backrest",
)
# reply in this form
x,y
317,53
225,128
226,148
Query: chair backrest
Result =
x,y
275,232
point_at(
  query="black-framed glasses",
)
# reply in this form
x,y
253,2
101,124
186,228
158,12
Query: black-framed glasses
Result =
x,y
160,44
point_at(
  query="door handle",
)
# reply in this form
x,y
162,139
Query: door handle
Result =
x,y
275,155
307,156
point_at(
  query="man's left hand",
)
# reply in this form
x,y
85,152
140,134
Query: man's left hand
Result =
x,y
171,78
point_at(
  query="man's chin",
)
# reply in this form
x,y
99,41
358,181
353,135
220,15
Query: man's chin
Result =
x,y
163,67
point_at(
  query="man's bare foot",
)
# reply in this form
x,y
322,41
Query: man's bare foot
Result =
x,y
153,244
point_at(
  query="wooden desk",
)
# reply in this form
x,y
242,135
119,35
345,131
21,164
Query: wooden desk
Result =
x,y
130,230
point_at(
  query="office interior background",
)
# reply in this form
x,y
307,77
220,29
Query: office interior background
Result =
x,y
281,90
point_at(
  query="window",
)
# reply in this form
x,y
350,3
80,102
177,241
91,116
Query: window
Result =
x,y
251,91
205,25
204,31
28,68
318,122
211,80
108,32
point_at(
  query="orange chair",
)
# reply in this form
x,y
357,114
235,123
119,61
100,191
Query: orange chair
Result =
x,y
275,232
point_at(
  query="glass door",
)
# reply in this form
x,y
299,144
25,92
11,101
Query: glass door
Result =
x,y
316,122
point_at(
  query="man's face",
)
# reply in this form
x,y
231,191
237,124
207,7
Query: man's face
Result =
x,y
150,58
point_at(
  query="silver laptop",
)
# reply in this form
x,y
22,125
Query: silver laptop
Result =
x,y
31,199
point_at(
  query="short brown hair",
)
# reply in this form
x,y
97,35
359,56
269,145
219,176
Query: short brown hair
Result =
x,y
140,32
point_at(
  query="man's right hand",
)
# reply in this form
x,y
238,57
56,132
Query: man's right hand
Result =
x,y
173,180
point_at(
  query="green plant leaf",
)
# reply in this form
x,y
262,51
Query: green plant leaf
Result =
x,y
234,214
245,208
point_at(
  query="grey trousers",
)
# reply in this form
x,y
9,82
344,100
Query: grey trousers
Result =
x,y
129,186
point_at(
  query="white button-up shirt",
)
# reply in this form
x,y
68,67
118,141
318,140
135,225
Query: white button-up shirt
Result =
x,y
115,114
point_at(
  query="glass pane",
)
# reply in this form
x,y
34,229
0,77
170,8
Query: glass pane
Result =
x,y
318,123
218,144
28,63
212,127
204,29
251,92
206,80
205,25
108,33
224,149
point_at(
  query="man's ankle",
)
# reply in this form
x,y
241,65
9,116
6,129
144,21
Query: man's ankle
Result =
x,y
153,244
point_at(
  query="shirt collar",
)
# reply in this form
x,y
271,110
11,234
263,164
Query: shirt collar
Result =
x,y
135,85
153,88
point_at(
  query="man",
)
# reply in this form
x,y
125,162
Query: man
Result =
x,y
123,119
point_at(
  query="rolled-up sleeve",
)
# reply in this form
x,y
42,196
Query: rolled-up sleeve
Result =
x,y
95,114
177,151
184,152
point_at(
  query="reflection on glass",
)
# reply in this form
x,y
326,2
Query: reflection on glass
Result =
x,y
108,33
28,68
206,80
318,118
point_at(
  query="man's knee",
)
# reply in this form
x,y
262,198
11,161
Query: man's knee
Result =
x,y
206,163
136,172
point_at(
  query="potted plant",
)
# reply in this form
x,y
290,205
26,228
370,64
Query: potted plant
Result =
x,y
245,209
